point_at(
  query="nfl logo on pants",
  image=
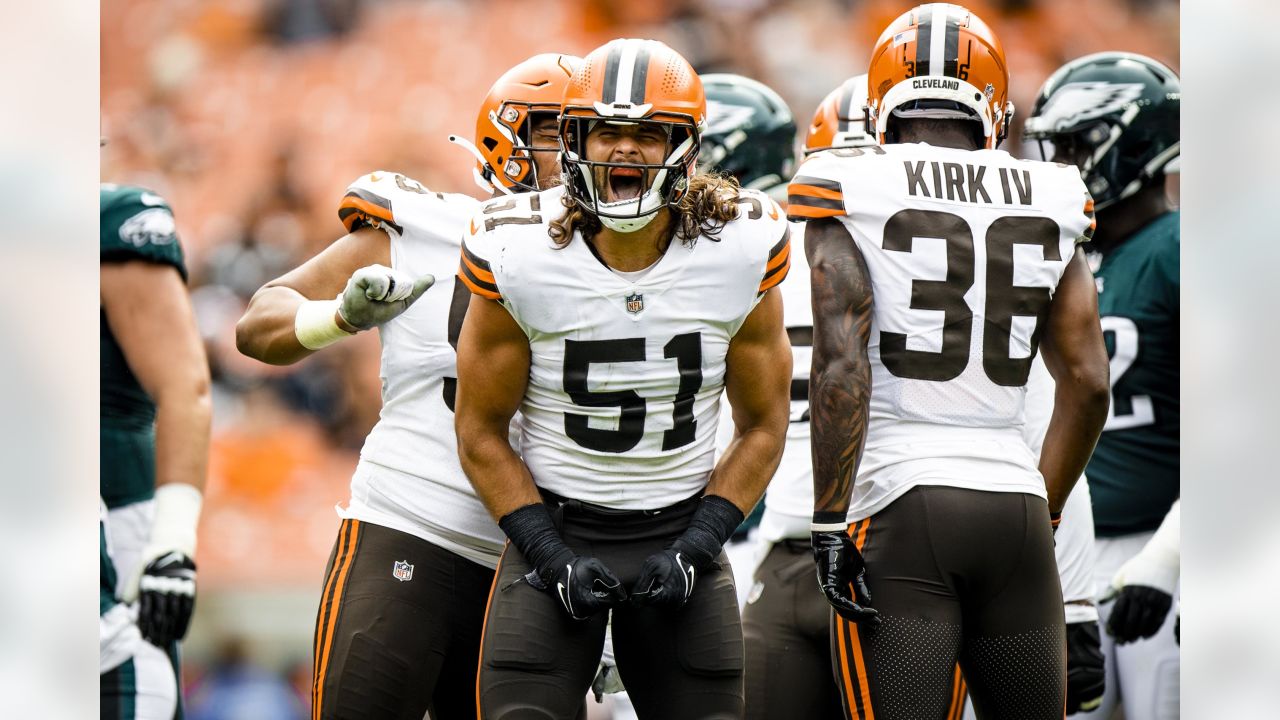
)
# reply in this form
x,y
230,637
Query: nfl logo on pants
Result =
x,y
635,303
402,571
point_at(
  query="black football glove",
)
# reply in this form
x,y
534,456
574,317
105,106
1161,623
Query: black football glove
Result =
x,y
1086,671
166,598
667,577
842,576
1138,613
583,585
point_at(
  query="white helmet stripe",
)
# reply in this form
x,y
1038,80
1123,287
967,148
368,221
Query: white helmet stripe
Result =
x,y
938,40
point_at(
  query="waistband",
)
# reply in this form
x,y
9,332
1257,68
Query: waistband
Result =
x,y
561,505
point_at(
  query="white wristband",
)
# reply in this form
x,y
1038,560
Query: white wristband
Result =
x,y
828,527
315,325
177,515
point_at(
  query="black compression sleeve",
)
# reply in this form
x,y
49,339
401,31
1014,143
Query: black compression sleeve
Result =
x,y
535,536
712,525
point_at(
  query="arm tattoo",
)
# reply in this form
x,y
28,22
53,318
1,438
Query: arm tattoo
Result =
x,y
840,381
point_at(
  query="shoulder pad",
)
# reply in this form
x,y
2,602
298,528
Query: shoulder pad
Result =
x,y
765,234
138,224
373,200
520,209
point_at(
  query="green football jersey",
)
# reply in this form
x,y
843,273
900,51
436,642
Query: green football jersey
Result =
x,y
136,224
1133,475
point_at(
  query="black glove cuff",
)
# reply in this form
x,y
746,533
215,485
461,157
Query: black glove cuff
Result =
x,y
713,524
535,536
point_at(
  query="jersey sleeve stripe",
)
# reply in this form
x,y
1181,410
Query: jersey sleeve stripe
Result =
x,y
799,212
479,268
814,192
814,197
477,285
476,261
360,207
779,263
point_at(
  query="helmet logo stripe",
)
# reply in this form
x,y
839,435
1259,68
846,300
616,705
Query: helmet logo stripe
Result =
x,y
610,87
845,122
952,51
923,43
938,40
622,91
641,76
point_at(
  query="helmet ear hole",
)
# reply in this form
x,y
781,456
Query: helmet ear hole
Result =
x,y
489,144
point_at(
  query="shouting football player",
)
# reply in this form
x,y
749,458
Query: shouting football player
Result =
x,y
612,312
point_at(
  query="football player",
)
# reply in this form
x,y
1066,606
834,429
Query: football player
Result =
x,y
398,629
611,312
1115,116
941,550
155,414
136,679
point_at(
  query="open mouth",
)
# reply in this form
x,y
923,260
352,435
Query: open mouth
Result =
x,y
625,183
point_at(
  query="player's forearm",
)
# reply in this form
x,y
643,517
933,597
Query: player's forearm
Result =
x,y
183,419
267,330
500,478
1079,412
840,379
747,465
839,395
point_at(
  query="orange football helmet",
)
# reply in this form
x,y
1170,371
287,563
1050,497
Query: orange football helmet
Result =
x,y
939,60
504,130
633,82
841,119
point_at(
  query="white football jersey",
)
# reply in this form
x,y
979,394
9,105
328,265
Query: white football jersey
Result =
x,y
788,501
409,477
964,249
624,390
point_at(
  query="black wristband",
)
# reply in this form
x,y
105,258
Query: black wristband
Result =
x,y
535,536
711,527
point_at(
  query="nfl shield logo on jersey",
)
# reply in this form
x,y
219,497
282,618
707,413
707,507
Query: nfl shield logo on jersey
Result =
x,y
403,571
635,303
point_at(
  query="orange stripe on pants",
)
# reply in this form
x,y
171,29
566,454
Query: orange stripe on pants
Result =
x,y
325,599
341,569
859,533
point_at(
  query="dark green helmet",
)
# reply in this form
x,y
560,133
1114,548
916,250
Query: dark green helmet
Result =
x,y
750,133
1113,114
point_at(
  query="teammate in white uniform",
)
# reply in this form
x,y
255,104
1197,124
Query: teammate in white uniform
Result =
x,y
611,313
938,271
399,623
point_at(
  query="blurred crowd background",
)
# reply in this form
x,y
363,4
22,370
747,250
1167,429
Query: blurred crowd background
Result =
x,y
252,116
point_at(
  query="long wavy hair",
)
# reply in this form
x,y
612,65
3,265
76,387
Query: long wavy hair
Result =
x,y
710,203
